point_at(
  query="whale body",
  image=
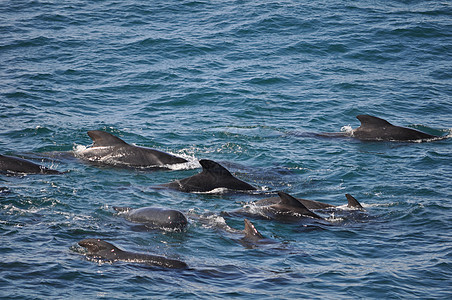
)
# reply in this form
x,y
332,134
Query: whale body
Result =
x,y
287,208
311,204
213,176
155,217
100,249
111,150
377,129
10,164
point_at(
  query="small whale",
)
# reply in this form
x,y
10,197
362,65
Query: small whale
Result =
x,y
213,176
15,165
111,150
287,208
376,129
100,249
311,204
155,217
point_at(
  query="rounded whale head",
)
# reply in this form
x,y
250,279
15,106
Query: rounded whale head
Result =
x,y
159,217
95,246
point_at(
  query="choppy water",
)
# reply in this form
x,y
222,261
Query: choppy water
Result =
x,y
242,83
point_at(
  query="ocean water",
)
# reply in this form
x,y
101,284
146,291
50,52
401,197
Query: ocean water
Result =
x,y
244,83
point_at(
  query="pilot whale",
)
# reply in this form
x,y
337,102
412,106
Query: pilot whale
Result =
x,y
377,129
100,249
111,150
155,217
10,164
287,208
213,176
311,204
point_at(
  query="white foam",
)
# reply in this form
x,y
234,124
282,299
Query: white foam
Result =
x,y
347,129
192,163
333,218
220,190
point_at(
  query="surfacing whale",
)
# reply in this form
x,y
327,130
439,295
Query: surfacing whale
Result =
x,y
377,129
155,217
99,249
311,204
213,176
15,165
253,238
287,208
111,150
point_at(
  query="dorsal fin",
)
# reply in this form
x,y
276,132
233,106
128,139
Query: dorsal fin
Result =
x,y
102,139
353,203
214,167
367,121
122,208
292,201
251,231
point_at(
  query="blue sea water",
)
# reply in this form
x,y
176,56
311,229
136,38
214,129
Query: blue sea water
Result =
x,y
243,83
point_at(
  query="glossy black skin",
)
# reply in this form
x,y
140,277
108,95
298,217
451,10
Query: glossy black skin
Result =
x,y
9,164
311,204
98,248
213,176
155,217
377,129
253,238
120,153
286,208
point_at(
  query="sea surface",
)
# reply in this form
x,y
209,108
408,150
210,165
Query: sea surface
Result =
x,y
246,84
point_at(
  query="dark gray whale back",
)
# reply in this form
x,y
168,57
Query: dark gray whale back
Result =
x,y
155,217
111,150
288,208
373,128
98,248
18,165
213,176
291,205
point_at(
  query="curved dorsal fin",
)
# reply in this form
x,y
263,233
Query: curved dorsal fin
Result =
x,y
367,121
102,139
294,202
251,231
353,203
214,167
290,200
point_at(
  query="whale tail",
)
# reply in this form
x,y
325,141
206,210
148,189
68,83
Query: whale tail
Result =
x,y
353,203
294,202
103,139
